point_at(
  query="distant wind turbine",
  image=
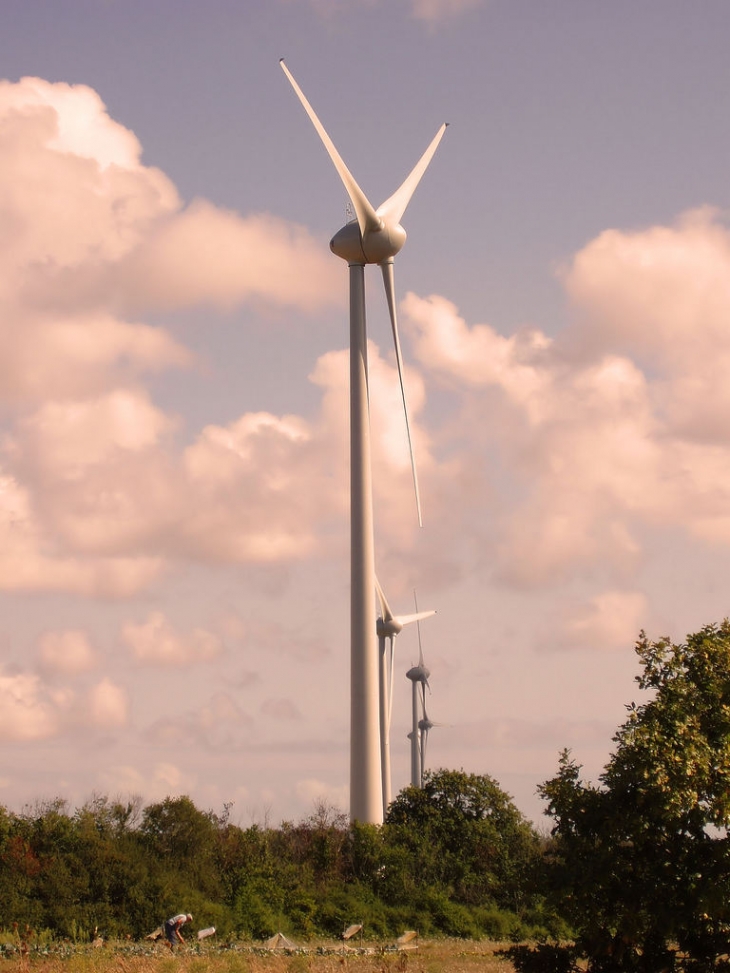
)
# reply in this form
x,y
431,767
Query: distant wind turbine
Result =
x,y
388,626
419,677
424,727
374,238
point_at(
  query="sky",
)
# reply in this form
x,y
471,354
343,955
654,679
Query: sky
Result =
x,y
174,572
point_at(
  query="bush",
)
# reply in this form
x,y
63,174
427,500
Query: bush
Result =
x,y
543,958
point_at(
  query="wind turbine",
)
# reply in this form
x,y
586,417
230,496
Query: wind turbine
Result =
x,y
374,238
387,627
419,677
424,726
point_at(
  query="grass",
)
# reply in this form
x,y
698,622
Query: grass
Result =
x,y
430,956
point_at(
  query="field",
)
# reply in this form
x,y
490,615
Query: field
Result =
x,y
433,956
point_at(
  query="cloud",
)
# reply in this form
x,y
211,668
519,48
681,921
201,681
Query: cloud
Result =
x,y
156,642
601,435
84,431
153,783
78,355
76,118
563,453
428,11
76,435
312,792
571,448
63,155
257,490
433,11
261,489
517,734
32,710
28,711
136,245
267,637
610,620
108,705
660,296
68,284
208,256
220,722
30,559
281,710
84,460
69,652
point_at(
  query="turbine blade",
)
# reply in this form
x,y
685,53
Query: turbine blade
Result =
x,y
391,680
367,218
408,619
420,647
418,626
388,280
385,612
394,207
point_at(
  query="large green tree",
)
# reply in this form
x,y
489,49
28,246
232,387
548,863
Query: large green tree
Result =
x,y
642,861
463,834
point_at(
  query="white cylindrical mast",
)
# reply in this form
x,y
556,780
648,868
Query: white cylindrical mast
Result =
x,y
413,737
366,793
385,681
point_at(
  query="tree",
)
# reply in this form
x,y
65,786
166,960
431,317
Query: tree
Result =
x,y
465,835
642,862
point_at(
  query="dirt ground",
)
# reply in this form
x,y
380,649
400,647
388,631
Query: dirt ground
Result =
x,y
431,956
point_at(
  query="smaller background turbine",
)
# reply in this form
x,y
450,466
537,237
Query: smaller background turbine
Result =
x,y
388,626
424,727
419,676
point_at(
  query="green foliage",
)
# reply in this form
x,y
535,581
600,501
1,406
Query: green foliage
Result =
x,y
254,914
543,958
641,863
463,833
455,859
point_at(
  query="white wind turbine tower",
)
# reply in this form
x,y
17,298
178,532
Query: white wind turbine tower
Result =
x,y
419,677
388,626
375,238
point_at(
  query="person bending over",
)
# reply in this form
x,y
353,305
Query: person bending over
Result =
x,y
172,929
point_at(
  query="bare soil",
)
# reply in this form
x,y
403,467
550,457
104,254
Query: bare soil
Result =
x,y
429,956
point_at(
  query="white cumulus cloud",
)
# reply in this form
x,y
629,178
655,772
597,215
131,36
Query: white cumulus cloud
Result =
x,y
156,642
68,652
28,711
108,705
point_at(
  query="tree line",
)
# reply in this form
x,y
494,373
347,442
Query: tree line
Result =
x,y
634,876
456,858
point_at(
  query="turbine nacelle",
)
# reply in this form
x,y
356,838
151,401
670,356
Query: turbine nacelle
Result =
x,y
418,673
388,628
372,247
